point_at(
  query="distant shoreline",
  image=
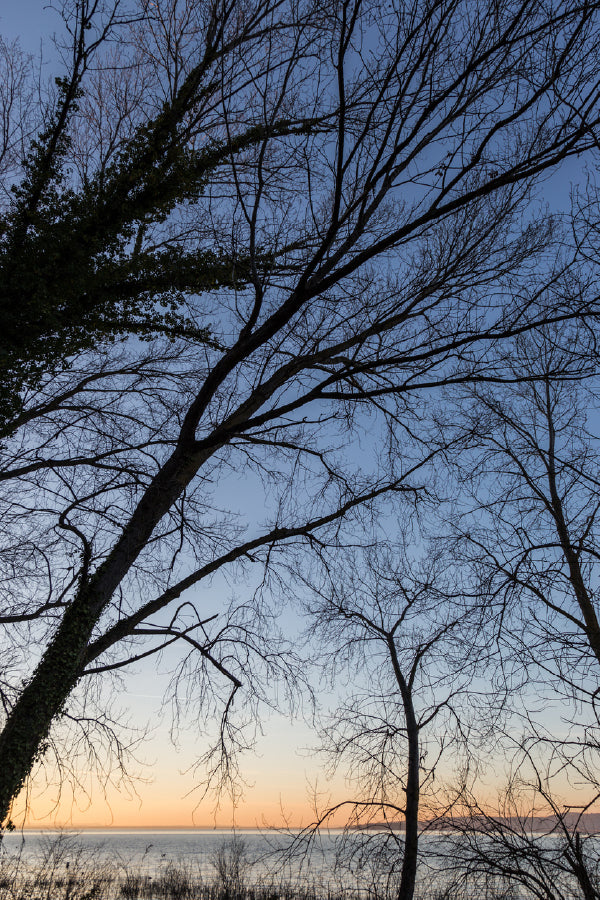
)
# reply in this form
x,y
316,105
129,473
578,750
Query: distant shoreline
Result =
x,y
157,829
588,823
213,829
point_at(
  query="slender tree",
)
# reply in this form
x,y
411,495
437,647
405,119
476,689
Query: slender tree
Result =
x,y
535,476
396,628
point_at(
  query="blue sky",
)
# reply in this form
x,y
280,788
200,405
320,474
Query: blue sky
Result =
x,y
29,20
280,770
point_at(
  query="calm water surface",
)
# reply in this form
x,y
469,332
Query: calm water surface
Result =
x,y
261,853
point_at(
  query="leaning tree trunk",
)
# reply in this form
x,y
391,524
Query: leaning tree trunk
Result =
x,y
23,738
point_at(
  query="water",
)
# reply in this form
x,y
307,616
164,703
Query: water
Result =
x,y
261,854
332,866
145,848
364,870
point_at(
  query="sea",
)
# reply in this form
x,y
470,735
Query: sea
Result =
x,y
356,866
333,864
259,855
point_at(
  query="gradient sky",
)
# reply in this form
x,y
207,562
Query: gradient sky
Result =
x,y
281,772
277,776
29,20
278,779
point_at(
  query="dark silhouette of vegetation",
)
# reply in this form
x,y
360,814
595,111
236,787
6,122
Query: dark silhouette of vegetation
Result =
x,y
76,265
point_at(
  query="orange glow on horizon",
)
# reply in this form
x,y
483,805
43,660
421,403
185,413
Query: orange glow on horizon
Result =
x,y
280,776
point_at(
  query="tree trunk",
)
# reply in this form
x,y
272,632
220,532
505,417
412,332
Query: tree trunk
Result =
x,y
411,838
577,862
411,815
23,738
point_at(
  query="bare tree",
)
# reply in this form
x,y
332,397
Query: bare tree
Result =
x,y
369,168
534,474
530,839
400,630
531,539
17,102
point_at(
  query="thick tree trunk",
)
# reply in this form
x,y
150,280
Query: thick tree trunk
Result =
x,y
22,740
43,698
23,737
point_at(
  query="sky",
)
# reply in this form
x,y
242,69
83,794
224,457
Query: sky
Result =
x,y
279,775
29,20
